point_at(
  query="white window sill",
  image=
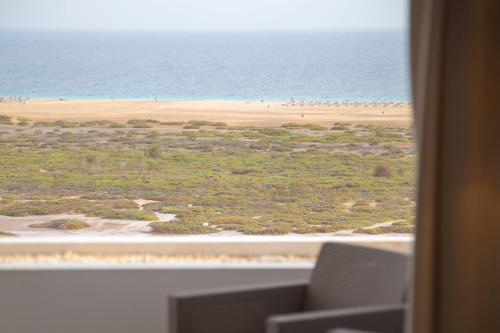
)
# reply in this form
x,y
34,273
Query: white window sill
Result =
x,y
180,252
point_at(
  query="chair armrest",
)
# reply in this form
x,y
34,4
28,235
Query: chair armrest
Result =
x,y
380,318
243,309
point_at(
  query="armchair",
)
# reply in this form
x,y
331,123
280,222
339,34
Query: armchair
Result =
x,y
348,280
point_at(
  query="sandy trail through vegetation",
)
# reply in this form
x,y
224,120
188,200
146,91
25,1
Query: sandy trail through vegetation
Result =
x,y
103,227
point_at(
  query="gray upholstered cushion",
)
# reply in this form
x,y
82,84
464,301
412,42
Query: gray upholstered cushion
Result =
x,y
349,276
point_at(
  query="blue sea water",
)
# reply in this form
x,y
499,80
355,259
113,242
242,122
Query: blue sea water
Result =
x,y
356,66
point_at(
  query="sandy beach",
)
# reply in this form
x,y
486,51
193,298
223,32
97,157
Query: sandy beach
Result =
x,y
236,113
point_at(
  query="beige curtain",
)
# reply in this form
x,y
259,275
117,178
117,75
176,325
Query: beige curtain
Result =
x,y
455,50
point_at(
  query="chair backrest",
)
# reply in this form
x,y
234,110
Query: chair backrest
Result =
x,y
349,275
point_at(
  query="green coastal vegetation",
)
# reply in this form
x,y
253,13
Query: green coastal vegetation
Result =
x,y
63,224
291,179
6,234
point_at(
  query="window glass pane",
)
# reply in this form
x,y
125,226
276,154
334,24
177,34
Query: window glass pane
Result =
x,y
220,118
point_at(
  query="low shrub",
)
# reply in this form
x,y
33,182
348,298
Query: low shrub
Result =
x,y
91,158
241,171
274,131
5,120
101,123
153,135
43,123
142,123
62,224
292,125
130,214
132,133
314,127
172,123
207,123
191,126
66,124
154,151
174,227
382,170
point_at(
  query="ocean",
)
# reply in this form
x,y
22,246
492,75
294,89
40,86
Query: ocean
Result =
x,y
336,66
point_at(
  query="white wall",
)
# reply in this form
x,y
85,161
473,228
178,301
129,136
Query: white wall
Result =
x,y
111,300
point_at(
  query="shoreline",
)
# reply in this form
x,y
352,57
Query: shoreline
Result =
x,y
188,99
20,98
239,113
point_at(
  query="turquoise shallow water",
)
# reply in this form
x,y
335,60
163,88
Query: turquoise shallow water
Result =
x,y
357,66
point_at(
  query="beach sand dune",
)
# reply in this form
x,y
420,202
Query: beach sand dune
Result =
x,y
237,113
